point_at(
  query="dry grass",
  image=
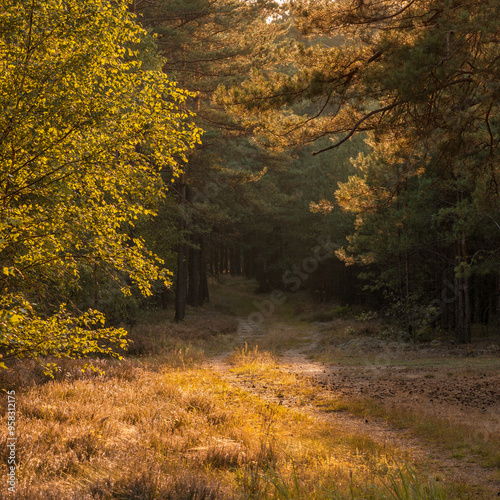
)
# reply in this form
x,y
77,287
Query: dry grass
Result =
x,y
476,441
162,425
263,367
349,343
165,428
206,331
282,336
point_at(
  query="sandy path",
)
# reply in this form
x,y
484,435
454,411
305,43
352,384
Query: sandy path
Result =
x,y
328,380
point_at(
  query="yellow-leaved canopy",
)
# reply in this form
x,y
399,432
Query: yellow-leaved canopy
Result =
x,y
85,131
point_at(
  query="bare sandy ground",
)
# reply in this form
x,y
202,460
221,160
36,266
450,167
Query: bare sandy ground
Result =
x,y
456,393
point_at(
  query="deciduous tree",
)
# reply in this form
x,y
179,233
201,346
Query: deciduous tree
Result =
x,y
84,132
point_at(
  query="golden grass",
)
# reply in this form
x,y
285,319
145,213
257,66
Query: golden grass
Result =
x,y
163,425
174,429
474,440
204,331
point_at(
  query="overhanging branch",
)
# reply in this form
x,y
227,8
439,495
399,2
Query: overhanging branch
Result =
x,y
356,126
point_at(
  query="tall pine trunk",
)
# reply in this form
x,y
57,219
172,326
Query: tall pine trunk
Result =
x,y
462,291
182,256
203,285
498,303
194,273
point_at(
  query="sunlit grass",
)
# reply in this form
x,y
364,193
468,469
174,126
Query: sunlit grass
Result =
x,y
178,430
163,425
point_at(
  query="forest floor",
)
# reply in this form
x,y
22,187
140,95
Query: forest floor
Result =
x,y
432,399
313,402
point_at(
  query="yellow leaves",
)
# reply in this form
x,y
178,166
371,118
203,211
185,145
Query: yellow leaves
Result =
x,y
10,318
87,131
8,271
83,112
61,335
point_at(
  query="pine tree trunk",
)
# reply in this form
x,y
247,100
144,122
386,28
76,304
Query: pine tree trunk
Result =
x,y
239,259
203,282
215,257
221,259
467,313
181,285
194,274
232,260
208,249
462,289
182,256
459,307
226,260
498,304
409,303
247,263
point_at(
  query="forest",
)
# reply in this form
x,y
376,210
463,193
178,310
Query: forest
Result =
x,y
197,194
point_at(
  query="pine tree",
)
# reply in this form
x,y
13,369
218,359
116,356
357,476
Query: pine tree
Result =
x,y
422,76
207,44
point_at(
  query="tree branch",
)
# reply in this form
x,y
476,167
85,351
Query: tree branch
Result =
x,y
356,126
370,20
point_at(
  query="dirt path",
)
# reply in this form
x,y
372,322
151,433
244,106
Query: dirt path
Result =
x,y
450,396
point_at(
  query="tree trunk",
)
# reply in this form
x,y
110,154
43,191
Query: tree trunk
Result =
x,y
409,303
210,251
182,256
462,289
232,260
498,304
247,263
203,285
181,285
215,258
226,260
194,274
221,259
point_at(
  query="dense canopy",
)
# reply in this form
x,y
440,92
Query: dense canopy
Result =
x,y
372,125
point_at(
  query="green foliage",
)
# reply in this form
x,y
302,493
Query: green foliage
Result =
x,y
24,333
208,44
422,77
412,315
85,130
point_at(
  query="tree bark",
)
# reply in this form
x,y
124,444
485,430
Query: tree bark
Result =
x,y
462,289
498,304
226,260
194,274
182,256
221,259
203,282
